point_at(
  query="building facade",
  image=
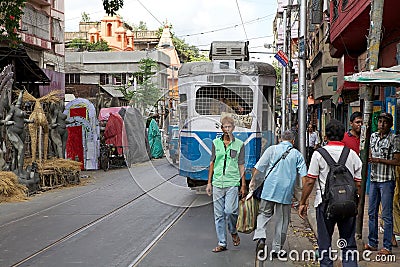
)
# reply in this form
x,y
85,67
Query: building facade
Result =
x,y
94,75
42,34
118,35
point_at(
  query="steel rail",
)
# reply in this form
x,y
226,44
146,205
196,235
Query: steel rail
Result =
x,y
87,226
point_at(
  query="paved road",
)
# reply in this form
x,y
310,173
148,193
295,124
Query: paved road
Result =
x,y
109,220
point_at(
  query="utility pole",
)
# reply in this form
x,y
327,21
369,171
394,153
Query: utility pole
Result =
x,y
284,78
366,94
290,63
302,110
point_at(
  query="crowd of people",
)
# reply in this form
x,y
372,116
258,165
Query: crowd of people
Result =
x,y
281,164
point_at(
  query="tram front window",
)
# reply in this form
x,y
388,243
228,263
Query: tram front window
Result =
x,y
215,100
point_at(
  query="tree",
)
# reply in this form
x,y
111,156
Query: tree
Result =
x,y
141,27
85,17
112,6
146,93
278,71
10,16
84,45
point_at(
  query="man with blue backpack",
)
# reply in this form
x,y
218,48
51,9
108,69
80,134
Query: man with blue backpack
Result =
x,y
336,170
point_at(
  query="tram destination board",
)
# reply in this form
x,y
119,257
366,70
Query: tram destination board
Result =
x,y
282,58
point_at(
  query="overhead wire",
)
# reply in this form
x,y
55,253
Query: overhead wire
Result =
x,y
150,12
227,27
241,19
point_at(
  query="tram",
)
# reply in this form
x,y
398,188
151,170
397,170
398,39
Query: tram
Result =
x,y
228,85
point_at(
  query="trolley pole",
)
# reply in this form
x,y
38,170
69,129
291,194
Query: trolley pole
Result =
x,y
366,94
302,110
284,78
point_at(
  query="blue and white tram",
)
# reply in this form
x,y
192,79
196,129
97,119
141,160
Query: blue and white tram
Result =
x,y
208,90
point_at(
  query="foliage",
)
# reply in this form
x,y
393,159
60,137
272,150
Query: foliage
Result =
x,y
146,92
84,45
142,26
278,86
112,6
85,17
10,16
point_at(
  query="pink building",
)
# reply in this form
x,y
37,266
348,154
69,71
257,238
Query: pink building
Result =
x,y
112,31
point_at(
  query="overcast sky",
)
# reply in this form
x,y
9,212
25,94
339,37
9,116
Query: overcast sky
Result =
x,y
198,22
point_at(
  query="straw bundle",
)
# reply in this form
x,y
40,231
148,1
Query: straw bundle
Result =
x,y
53,96
60,165
10,188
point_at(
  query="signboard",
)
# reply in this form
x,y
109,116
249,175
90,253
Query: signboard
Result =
x,y
282,58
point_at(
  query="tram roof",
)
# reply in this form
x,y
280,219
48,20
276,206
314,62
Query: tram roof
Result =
x,y
243,67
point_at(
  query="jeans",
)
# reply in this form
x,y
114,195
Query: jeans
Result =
x,y
381,192
347,230
226,203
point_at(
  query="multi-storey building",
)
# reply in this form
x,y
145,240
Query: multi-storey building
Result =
x,y
118,35
39,60
90,74
292,29
349,30
322,68
42,33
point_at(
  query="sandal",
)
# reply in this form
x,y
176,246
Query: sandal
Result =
x,y
219,249
394,241
236,240
384,251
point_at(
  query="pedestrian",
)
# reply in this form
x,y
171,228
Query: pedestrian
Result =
x,y
281,163
312,142
351,138
318,171
295,130
384,155
226,174
325,141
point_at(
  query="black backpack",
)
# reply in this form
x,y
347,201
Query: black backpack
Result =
x,y
340,196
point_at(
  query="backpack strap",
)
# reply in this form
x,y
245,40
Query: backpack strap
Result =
x,y
343,156
330,161
328,158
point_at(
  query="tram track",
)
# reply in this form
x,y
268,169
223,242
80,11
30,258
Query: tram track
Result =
x,y
66,201
91,224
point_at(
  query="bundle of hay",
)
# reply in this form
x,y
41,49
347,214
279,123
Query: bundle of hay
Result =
x,y
61,165
11,189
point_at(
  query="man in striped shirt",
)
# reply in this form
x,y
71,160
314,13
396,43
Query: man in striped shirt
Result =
x,y
384,155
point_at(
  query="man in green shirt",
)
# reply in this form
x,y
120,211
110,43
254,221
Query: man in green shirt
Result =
x,y
225,175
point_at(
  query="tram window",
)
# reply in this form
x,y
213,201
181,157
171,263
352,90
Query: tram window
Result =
x,y
215,99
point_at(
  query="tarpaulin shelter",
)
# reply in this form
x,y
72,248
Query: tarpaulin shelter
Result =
x,y
104,113
114,132
136,149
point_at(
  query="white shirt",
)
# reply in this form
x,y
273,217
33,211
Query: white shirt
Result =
x,y
320,169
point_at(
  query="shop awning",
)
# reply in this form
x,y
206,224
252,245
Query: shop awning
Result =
x,y
26,70
383,76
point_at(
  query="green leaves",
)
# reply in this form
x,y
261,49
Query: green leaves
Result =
x,y
146,93
112,6
84,45
10,16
